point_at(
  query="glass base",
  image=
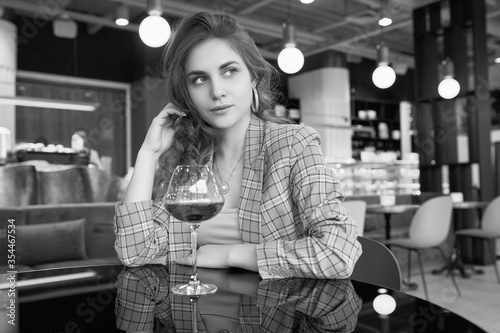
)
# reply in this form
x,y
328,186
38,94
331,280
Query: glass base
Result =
x,y
195,289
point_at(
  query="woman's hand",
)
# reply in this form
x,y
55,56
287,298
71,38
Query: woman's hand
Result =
x,y
209,256
223,256
161,132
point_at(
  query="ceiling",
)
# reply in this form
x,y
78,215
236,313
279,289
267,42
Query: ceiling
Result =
x,y
347,26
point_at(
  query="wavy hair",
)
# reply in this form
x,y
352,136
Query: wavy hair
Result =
x,y
195,140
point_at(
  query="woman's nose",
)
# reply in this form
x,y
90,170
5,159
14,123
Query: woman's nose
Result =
x,y
218,90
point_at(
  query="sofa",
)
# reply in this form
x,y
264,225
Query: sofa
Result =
x,y
36,183
58,235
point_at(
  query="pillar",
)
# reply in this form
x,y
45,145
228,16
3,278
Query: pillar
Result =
x,y
8,68
325,105
453,134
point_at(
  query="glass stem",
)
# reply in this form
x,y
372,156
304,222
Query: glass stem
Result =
x,y
194,245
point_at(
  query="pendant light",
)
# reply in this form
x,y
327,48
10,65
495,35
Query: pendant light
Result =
x,y
385,19
384,75
290,59
449,87
122,15
154,30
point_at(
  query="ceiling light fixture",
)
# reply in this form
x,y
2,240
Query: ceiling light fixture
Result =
x,y
385,21
154,30
307,1
48,103
385,17
384,75
122,15
448,88
290,59
64,27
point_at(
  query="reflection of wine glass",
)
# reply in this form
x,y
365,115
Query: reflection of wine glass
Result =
x,y
193,196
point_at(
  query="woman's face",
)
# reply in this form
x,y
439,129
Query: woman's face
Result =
x,y
219,84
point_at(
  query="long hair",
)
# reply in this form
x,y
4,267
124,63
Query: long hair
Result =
x,y
195,140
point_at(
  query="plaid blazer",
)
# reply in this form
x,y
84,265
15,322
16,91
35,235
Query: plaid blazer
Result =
x,y
144,302
290,205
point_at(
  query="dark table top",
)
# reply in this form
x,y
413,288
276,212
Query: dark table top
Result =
x,y
116,299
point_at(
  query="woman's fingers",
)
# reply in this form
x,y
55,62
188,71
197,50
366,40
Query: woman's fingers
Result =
x,y
170,114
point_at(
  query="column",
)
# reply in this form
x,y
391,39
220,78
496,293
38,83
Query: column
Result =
x,y
8,68
325,105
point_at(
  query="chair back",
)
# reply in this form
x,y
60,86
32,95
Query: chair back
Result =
x,y
377,265
104,186
490,221
17,185
356,210
431,222
63,186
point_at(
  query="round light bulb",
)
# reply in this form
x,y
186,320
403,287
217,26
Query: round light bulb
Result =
x,y
121,21
290,60
154,31
383,76
384,22
384,304
448,88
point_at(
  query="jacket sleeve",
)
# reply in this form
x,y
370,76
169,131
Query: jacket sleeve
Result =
x,y
141,232
329,246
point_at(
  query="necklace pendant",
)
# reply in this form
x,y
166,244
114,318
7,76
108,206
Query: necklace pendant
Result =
x,y
224,188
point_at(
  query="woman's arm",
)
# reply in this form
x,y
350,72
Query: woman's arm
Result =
x,y
141,230
141,184
326,244
159,139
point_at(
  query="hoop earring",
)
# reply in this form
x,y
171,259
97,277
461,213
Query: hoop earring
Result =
x,y
255,101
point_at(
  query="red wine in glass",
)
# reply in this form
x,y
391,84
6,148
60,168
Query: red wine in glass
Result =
x,y
194,212
193,196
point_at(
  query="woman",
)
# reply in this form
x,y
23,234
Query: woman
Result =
x,y
283,213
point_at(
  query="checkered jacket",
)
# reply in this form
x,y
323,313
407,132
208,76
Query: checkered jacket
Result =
x,y
290,205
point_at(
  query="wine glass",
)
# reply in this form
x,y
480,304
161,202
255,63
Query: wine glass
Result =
x,y
193,196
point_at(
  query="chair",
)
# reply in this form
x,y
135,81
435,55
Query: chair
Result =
x,y
377,265
18,185
104,186
63,186
429,228
488,232
356,209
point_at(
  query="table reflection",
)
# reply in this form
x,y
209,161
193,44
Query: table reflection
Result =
x,y
243,303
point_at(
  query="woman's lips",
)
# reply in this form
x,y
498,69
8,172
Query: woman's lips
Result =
x,y
220,107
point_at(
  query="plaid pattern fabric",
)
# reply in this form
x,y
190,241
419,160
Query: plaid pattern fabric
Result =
x,y
290,205
280,305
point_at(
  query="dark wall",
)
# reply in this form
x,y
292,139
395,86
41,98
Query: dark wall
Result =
x,y
110,54
361,81
360,75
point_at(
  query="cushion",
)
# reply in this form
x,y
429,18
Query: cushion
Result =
x,y
50,242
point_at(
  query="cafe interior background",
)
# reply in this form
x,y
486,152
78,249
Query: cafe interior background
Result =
x,y
397,136
74,50
376,92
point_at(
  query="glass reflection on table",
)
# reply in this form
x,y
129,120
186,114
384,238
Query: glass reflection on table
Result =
x,y
243,303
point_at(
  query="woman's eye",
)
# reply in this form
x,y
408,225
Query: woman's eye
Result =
x,y
230,71
198,80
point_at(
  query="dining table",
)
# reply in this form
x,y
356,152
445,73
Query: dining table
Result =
x,y
388,211
116,298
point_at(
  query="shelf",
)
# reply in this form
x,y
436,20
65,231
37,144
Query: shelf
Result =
x,y
368,135
400,177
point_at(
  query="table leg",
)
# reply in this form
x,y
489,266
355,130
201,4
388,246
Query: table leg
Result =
x,y
387,226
